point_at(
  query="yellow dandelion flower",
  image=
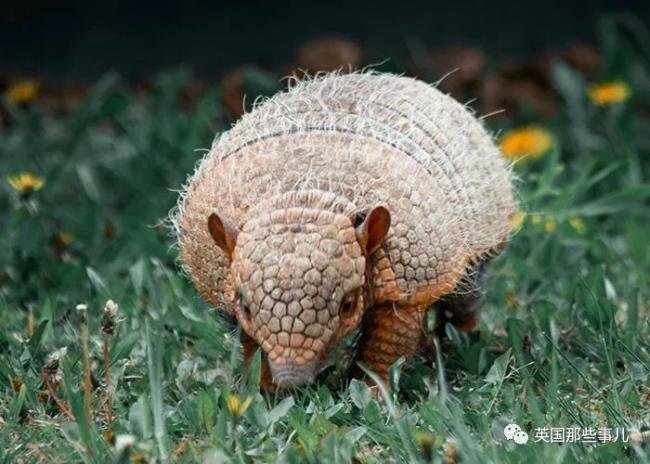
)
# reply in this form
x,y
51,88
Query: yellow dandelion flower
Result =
x,y
536,219
526,143
608,93
64,239
42,396
424,439
512,300
25,182
236,407
109,436
517,220
16,384
22,92
426,442
550,226
578,225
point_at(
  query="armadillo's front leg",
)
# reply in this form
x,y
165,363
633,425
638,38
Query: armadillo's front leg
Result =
x,y
461,308
389,332
249,346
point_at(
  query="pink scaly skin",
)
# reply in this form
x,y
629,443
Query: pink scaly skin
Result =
x,y
294,350
349,202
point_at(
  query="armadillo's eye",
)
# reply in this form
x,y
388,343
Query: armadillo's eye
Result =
x,y
349,304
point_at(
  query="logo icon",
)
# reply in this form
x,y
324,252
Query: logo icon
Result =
x,y
513,432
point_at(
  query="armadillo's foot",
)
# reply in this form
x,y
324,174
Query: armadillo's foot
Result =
x,y
266,382
461,308
249,346
458,316
389,332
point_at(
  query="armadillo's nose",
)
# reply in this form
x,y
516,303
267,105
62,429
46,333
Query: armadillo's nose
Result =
x,y
292,375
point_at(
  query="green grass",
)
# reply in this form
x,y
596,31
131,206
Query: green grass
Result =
x,y
563,341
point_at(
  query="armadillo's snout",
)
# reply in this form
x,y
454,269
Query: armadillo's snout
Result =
x,y
289,375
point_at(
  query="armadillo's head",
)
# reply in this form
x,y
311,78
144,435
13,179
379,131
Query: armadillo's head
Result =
x,y
298,279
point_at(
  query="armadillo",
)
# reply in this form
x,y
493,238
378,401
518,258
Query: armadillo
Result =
x,y
348,203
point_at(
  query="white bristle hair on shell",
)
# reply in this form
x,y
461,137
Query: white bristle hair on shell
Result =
x,y
362,139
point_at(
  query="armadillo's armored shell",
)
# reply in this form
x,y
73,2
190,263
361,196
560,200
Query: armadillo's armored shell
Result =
x,y
368,139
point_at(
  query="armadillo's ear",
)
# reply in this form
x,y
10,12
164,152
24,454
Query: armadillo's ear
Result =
x,y
223,233
372,231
